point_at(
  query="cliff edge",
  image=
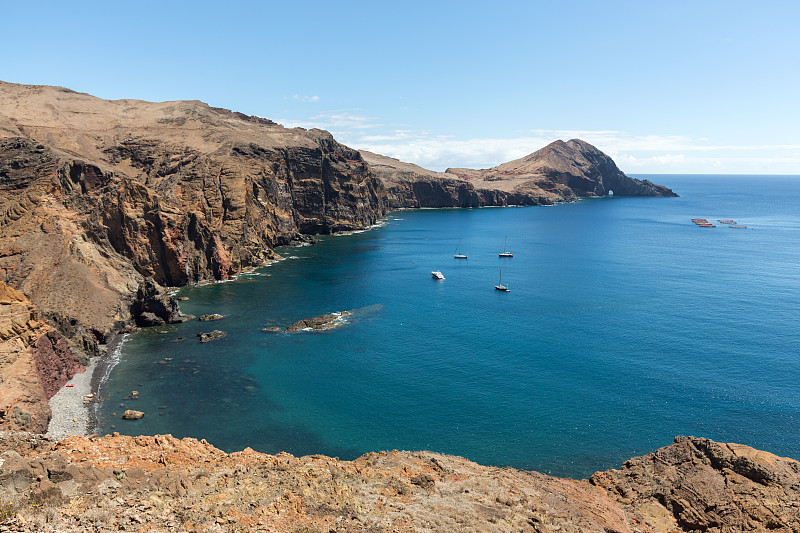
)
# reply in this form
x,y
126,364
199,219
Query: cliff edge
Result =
x,y
160,483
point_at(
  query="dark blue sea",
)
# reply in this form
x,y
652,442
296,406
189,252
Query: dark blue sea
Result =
x,y
625,325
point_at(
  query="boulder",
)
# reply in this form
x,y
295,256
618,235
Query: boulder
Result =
x,y
130,414
210,317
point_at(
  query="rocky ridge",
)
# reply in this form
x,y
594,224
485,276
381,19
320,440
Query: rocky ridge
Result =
x,y
161,483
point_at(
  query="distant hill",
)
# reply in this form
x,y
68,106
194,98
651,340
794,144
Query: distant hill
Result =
x,y
559,172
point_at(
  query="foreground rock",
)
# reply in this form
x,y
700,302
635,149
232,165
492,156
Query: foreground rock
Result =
x,y
164,484
318,323
700,485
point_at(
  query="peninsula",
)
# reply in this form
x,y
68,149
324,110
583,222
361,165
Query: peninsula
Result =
x,y
104,203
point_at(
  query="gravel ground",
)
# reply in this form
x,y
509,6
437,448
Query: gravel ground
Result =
x,y
71,406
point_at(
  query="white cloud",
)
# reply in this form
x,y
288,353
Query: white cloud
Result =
x,y
306,98
337,122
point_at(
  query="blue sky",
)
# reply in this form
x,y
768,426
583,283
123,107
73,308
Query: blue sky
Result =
x,y
663,87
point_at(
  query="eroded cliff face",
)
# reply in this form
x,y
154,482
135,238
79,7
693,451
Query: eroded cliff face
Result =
x,y
35,362
101,199
162,483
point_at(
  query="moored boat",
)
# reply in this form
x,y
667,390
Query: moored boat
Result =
x,y
500,286
457,254
506,252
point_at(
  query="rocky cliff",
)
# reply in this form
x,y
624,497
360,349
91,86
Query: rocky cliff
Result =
x,y
160,483
559,172
35,362
101,200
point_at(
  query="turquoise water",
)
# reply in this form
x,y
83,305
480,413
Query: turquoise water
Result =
x,y
625,325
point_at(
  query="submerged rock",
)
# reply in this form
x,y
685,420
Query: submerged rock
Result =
x,y
209,317
272,329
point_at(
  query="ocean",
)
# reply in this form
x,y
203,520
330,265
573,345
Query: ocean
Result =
x,y
625,325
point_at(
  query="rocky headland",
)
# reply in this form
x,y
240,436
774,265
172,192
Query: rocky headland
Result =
x,y
559,172
104,203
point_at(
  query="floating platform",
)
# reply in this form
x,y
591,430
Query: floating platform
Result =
x,y
725,221
736,226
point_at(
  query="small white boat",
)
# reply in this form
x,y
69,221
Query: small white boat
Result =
x,y
505,252
500,286
457,254
437,275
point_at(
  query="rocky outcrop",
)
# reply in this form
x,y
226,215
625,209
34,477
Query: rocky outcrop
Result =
x,y
161,483
152,306
560,172
700,485
319,323
211,335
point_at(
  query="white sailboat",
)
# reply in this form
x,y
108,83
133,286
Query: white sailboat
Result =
x,y
500,286
506,252
457,254
437,275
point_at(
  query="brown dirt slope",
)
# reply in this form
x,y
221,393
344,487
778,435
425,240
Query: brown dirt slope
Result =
x,y
165,484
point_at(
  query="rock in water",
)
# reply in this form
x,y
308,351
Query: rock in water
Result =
x,y
210,317
211,336
130,414
152,306
321,322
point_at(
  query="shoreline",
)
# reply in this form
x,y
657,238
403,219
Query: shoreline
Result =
x,y
73,409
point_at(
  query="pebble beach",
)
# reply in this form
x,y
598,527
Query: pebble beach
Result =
x,y
71,406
